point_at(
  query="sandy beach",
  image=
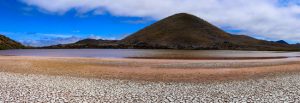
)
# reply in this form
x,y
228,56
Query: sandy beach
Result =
x,y
63,79
148,69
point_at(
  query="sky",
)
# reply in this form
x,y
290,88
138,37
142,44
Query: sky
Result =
x,y
50,22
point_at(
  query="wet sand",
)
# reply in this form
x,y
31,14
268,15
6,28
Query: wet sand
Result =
x,y
156,70
211,58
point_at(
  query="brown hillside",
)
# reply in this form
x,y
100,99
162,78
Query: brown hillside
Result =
x,y
7,43
185,31
182,31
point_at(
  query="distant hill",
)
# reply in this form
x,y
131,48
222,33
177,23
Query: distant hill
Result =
x,y
183,31
282,42
296,45
88,43
7,43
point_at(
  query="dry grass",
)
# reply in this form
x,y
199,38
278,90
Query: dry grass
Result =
x,y
150,70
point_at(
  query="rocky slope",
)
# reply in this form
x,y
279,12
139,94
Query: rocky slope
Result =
x,y
7,43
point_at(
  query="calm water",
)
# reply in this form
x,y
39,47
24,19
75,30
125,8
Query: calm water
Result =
x,y
142,53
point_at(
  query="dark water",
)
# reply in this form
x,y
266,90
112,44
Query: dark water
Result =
x,y
146,53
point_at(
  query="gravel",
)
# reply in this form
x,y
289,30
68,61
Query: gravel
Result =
x,y
43,88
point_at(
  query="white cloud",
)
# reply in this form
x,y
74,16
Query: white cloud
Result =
x,y
54,39
93,36
271,19
50,41
45,39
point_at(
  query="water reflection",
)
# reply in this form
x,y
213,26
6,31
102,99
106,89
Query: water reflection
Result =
x,y
148,53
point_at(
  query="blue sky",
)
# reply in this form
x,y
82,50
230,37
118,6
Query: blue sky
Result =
x,y
33,27
48,22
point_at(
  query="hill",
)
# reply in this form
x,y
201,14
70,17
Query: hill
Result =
x,y
180,31
296,45
183,31
282,42
7,43
87,43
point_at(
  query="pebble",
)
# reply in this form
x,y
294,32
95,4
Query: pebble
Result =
x,y
41,88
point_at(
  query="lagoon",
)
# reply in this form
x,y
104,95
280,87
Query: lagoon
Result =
x,y
151,54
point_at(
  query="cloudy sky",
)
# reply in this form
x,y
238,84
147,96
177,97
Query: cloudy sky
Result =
x,y
48,22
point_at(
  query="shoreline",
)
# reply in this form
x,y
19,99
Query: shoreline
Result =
x,y
211,58
170,58
149,69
